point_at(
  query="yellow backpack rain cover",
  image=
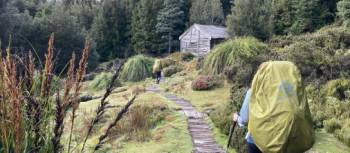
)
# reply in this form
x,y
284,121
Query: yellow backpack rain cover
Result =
x,y
279,116
157,66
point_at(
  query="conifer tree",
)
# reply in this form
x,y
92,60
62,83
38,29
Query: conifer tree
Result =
x,y
250,18
207,12
144,37
170,23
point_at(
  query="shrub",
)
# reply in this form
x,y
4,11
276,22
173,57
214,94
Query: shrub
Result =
x,y
206,82
222,118
182,56
320,55
186,56
101,81
337,88
171,70
137,68
167,62
332,125
226,54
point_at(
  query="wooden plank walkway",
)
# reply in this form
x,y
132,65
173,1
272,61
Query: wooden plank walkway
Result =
x,y
201,133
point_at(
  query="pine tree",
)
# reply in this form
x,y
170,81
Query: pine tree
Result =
x,y
250,18
226,6
143,26
207,12
170,23
108,30
312,14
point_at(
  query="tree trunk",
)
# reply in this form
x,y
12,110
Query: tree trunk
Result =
x,y
169,49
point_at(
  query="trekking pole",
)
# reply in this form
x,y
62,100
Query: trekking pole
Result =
x,y
232,129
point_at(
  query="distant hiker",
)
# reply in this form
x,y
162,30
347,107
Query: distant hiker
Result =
x,y
157,70
276,111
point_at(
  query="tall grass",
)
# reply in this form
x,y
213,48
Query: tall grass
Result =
x,y
226,54
32,112
137,68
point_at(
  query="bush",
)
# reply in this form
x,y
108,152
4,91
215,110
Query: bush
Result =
x,y
137,68
101,81
228,53
204,82
337,88
343,134
222,118
332,125
167,62
321,55
171,70
186,56
182,56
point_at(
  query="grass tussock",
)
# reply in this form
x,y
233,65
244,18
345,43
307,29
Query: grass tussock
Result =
x,y
225,55
137,68
101,81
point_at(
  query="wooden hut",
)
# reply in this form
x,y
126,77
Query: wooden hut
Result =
x,y
199,39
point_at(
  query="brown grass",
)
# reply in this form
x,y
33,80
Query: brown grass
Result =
x,y
11,83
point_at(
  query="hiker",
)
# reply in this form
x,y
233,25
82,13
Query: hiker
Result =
x,y
157,70
242,121
276,111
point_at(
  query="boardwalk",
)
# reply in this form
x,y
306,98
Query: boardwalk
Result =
x,y
202,137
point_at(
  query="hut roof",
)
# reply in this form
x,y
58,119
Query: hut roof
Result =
x,y
213,31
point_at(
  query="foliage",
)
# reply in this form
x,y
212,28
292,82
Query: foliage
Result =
x,y
109,30
101,81
320,55
137,68
171,70
138,123
332,125
337,88
250,18
343,8
144,38
206,82
170,24
222,117
227,54
207,12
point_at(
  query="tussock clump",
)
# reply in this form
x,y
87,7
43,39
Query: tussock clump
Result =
x,y
226,54
101,81
137,68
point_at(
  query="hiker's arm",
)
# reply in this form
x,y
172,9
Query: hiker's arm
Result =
x,y
243,117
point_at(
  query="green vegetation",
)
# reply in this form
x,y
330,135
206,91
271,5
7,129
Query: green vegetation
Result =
x,y
227,54
137,68
207,12
101,81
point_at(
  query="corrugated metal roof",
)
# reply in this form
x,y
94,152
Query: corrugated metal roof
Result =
x,y
213,31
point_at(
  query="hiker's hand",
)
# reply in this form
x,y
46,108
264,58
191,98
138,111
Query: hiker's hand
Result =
x,y
235,117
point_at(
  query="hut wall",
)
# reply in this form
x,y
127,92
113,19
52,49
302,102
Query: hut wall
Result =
x,y
196,42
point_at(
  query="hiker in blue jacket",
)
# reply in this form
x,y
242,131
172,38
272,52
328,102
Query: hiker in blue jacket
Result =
x,y
242,120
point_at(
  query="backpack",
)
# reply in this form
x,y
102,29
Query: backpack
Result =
x,y
279,117
157,66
